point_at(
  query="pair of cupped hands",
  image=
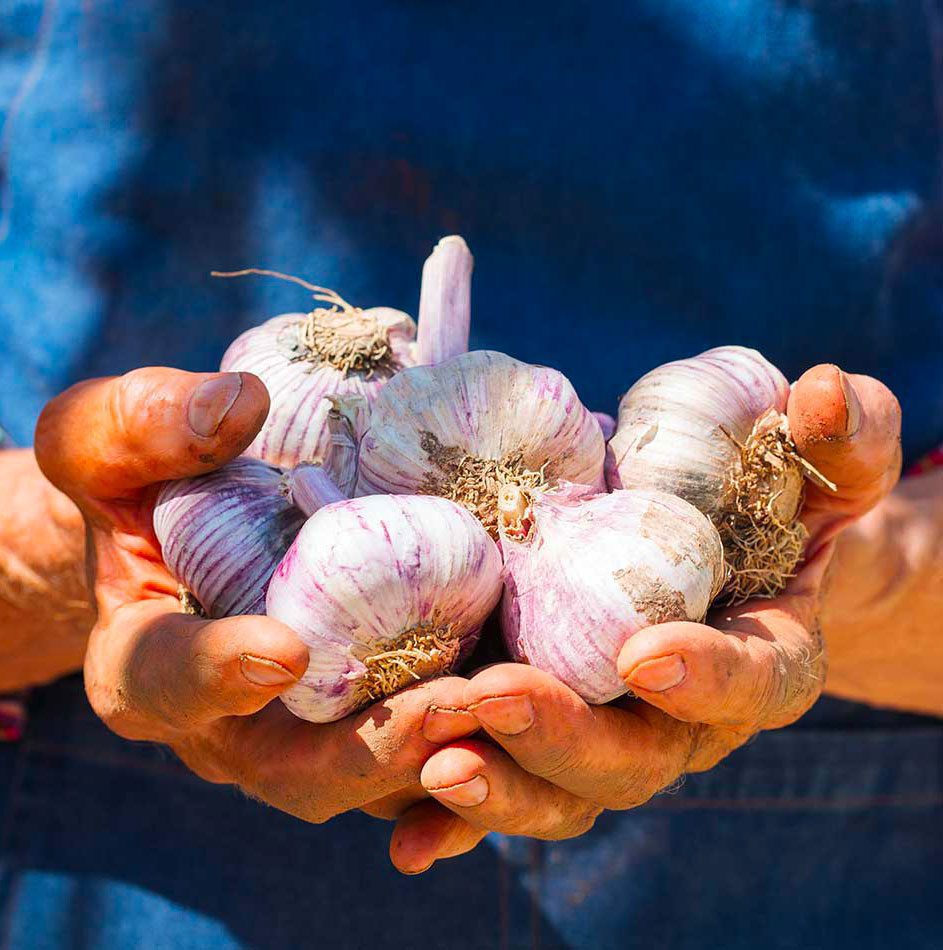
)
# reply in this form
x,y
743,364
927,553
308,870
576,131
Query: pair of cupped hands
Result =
x,y
509,749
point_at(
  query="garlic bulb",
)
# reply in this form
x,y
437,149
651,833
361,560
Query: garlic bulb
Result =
x,y
468,426
385,591
223,534
712,430
339,350
584,572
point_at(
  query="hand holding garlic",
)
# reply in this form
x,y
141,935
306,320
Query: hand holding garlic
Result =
x,y
205,687
706,689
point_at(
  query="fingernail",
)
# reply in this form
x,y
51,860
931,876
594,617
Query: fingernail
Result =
x,y
263,672
466,795
656,676
852,405
211,401
509,715
442,724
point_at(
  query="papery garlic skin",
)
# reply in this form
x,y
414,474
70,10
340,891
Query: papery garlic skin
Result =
x,y
712,430
223,534
606,423
481,419
310,488
378,587
669,434
296,428
596,569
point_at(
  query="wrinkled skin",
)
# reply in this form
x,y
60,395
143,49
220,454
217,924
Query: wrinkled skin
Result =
x,y
452,759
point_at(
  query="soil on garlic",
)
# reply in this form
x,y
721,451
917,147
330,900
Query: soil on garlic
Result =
x,y
650,596
189,603
422,652
475,482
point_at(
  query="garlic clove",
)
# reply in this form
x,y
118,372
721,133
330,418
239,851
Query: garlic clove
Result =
x,y
589,571
712,430
385,591
464,428
223,534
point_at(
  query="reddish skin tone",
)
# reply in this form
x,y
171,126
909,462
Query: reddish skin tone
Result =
x,y
45,611
152,673
205,688
705,689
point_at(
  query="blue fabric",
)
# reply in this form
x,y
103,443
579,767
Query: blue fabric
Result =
x,y
638,181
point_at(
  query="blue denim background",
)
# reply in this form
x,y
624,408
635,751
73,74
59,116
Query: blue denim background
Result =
x,y
638,181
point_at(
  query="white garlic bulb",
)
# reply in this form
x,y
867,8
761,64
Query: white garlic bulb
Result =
x,y
385,591
712,430
466,427
584,572
303,358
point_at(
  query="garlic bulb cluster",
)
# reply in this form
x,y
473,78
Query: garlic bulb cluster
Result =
x,y
587,571
423,484
712,431
465,428
385,591
223,534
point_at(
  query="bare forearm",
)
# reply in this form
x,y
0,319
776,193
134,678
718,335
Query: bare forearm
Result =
x,y
45,614
883,616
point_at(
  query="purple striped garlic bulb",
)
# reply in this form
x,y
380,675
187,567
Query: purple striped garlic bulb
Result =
x,y
303,359
469,426
343,351
223,534
385,591
712,430
585,572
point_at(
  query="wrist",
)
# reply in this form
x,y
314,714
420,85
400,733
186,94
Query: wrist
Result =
x,y
881,609
45,611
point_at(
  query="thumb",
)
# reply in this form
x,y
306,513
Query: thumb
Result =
x,y
107,439
848,427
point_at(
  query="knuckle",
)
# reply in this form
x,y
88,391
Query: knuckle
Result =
x,y
559,758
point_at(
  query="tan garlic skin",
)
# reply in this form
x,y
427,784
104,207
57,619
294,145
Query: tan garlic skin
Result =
x,y
696,428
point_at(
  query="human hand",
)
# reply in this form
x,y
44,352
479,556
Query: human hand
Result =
x,y
553,763
45,609
205,688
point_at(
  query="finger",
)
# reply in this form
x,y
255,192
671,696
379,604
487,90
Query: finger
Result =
x,y
848,427
485,787
318,771
428,832
394,806
106,439
617,758
150,672
763,668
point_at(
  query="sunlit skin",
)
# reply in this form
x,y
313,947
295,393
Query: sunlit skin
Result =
x,y
453,758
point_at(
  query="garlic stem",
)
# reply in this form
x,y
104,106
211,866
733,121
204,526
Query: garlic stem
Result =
x,y
512,505
445,302
311,488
